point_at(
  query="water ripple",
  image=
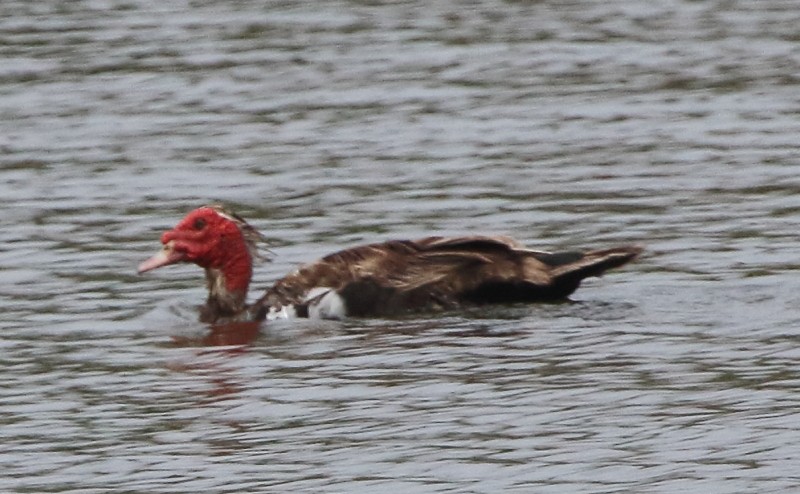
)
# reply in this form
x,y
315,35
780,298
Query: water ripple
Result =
x,y
672,125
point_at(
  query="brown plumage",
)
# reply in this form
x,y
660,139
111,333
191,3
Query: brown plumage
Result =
x,y
380,279
441,273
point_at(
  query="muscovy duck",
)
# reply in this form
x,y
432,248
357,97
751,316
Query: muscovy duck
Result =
x,y
380,279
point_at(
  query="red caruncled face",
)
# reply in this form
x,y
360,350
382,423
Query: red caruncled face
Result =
x,y
205,237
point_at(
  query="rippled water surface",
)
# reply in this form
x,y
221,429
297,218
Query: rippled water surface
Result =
x,y
567,124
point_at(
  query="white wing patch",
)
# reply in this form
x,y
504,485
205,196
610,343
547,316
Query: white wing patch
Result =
x,y
285,312
325,303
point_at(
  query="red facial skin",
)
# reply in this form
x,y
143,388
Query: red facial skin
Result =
x,y
211,240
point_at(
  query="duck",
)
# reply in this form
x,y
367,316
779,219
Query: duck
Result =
x,y
383,279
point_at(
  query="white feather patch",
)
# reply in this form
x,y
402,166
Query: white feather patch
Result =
x,y
285,312
325,303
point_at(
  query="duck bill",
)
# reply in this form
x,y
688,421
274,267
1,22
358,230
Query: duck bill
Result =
x,y
166,256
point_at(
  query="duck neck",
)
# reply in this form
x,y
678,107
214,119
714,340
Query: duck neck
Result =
x,y
227,287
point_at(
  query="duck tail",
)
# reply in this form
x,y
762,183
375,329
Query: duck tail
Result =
x,y
570,268
596,262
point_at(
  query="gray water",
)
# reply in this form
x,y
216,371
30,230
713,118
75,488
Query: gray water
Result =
x,y
669,124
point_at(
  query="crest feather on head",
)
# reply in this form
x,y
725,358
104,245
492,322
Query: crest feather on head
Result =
x,y
252,237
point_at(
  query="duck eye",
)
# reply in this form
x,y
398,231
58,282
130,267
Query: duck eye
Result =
x,y
199,224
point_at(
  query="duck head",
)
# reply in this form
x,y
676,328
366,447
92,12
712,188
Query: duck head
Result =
x,y
220,242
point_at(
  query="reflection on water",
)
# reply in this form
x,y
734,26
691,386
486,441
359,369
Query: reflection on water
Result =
x,y
672,125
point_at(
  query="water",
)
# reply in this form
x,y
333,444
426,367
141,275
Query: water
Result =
x,y
567,124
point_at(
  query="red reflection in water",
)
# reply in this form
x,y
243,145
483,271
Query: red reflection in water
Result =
x,y
235,334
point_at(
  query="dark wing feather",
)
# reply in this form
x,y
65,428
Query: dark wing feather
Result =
x,y
437,272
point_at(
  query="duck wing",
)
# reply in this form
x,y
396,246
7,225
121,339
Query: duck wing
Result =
x,y
434,273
